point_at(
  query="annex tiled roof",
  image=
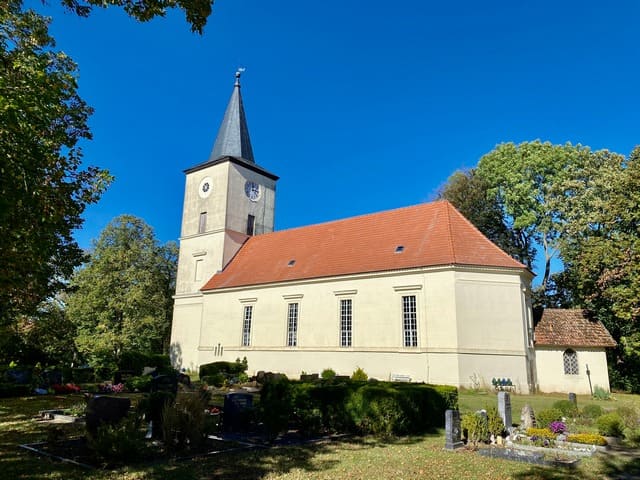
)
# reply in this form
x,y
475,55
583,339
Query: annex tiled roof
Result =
x,y
570,328
429,234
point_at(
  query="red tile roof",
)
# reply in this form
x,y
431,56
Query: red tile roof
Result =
x,y
431,234
571,328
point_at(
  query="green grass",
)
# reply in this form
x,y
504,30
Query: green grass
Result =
x,y
357,458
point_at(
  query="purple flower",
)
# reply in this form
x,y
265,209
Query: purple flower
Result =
x,y
557,427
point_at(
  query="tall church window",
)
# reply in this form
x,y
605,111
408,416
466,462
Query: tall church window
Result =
x,y
409,321
570,360
251,224
346,318
246,325
292,325
202,225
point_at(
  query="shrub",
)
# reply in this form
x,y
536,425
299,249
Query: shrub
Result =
x,y
359,375
184,423
122,442
475,427
377,410
275,407
140,383
136,361
328,374
630,417
592,411
601,394
495,424
545,417
567,407
587,438
227,369
541,433
216,380
610,425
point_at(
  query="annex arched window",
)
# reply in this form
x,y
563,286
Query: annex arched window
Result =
x,y
570,359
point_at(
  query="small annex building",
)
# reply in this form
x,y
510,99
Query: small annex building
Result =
x,y
416,293
571,351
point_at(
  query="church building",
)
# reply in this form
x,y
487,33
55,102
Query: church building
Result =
x,y
413,294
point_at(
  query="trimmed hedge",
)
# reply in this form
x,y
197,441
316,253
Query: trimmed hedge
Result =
x,y
228,369
381,408
136,361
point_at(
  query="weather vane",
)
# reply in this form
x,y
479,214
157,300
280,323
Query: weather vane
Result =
x,y
238,73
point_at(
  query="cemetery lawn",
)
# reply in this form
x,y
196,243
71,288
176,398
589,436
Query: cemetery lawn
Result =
x,y
357,458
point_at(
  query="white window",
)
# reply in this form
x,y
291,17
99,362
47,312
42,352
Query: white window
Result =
x,y
292,325
570,360
346,319
202,225
409,321
246,325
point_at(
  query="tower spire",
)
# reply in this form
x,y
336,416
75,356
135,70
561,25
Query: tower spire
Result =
x,y
233,135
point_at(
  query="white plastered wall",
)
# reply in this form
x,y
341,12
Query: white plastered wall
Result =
x,y
551,376
452,319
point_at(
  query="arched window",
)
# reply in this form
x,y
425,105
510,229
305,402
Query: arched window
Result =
x,y
570,359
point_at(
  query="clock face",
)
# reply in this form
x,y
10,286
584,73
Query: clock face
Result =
x,y
206,187
252,190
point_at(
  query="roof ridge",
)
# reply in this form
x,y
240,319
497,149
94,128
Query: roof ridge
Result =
x,y
359,216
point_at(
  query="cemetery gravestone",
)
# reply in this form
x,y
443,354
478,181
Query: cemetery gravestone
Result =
x,y
452,430
237,410
104,409
527,417
504,408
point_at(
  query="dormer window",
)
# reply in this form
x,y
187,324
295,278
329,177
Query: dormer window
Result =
x,y
400,249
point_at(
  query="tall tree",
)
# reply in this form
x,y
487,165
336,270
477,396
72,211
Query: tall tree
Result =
x,y
470,194
601,251
524,178
122,298
43,187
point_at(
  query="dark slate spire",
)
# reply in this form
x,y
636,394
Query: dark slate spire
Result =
x,y
233,135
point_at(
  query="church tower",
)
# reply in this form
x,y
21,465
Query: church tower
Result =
x,y
227,199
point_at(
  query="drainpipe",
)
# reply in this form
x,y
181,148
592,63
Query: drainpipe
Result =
x,y
589,377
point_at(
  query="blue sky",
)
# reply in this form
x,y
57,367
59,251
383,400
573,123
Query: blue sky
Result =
x,y
358,106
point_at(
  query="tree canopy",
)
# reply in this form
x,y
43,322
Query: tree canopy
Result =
x,y
196,11
574,204
122,299
44,188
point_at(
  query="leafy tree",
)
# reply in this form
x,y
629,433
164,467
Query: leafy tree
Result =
x,y
122,299
524,177
470,194
43,187
196,11
601,251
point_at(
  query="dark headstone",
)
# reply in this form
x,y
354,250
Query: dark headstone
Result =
x,y
452,430
573,398
21,376
105,410
236,411
504,408
164,383
52,377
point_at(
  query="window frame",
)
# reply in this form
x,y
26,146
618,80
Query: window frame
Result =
x,y
293,317
409,304
346,322
570,362
247,319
